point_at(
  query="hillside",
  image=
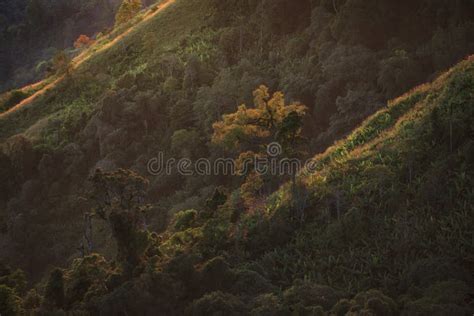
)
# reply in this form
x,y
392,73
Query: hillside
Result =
x,y
380,225
387,230
31,31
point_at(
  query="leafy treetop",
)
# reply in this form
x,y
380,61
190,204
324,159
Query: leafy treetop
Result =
x,y
270,119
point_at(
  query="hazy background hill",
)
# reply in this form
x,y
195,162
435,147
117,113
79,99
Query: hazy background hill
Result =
x,y
31,31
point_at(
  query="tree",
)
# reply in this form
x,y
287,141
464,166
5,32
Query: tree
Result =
x,y
268,121
397,74
62,63
9,302
128,9
54,291
249,130
13,279
32,301
184,142
192,73
297,14
119,199
83,41
361,22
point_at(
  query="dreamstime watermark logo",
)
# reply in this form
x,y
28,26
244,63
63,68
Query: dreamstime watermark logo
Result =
x,y
272,164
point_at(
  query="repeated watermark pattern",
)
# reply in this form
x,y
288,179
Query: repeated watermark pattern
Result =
x,y
272,164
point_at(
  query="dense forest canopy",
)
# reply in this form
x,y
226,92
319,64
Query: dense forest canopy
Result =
x,y
377,94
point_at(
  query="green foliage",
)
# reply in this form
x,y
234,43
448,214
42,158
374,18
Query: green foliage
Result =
x,y
181,240
267,304
119,198
218,199
170,85
73,113
216,275
54,291
87,278
9,302
423,273
396,190
15,280
399,73
200,49
127,10
308,294
374,301
250,283
443,297
185,219
41,67
74,118
61,63
214,236
32,301
268,119
184,142
126,81
216,303
11,99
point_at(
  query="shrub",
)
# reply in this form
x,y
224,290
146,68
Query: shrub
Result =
x,y
42,67
425,272
216,303
182,269
251,283
32,300
341,308
128,9
184,220
13,279
184,142
170,85
376,302
74,118
447,297
54,291
13,99
119,199
61,63
83,41
309,294
126,81
216,275
9,302
87,276
215,236
267,305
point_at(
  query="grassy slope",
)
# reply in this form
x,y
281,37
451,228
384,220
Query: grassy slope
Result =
x,y
394,192
99,68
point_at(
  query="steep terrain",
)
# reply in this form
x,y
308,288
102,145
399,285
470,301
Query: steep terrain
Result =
x,y
31,31
381,225
36,90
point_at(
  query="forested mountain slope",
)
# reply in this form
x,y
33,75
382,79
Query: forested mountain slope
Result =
x,y
382,224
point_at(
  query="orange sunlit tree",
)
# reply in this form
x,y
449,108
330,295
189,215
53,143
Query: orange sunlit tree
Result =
x,y
83,41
